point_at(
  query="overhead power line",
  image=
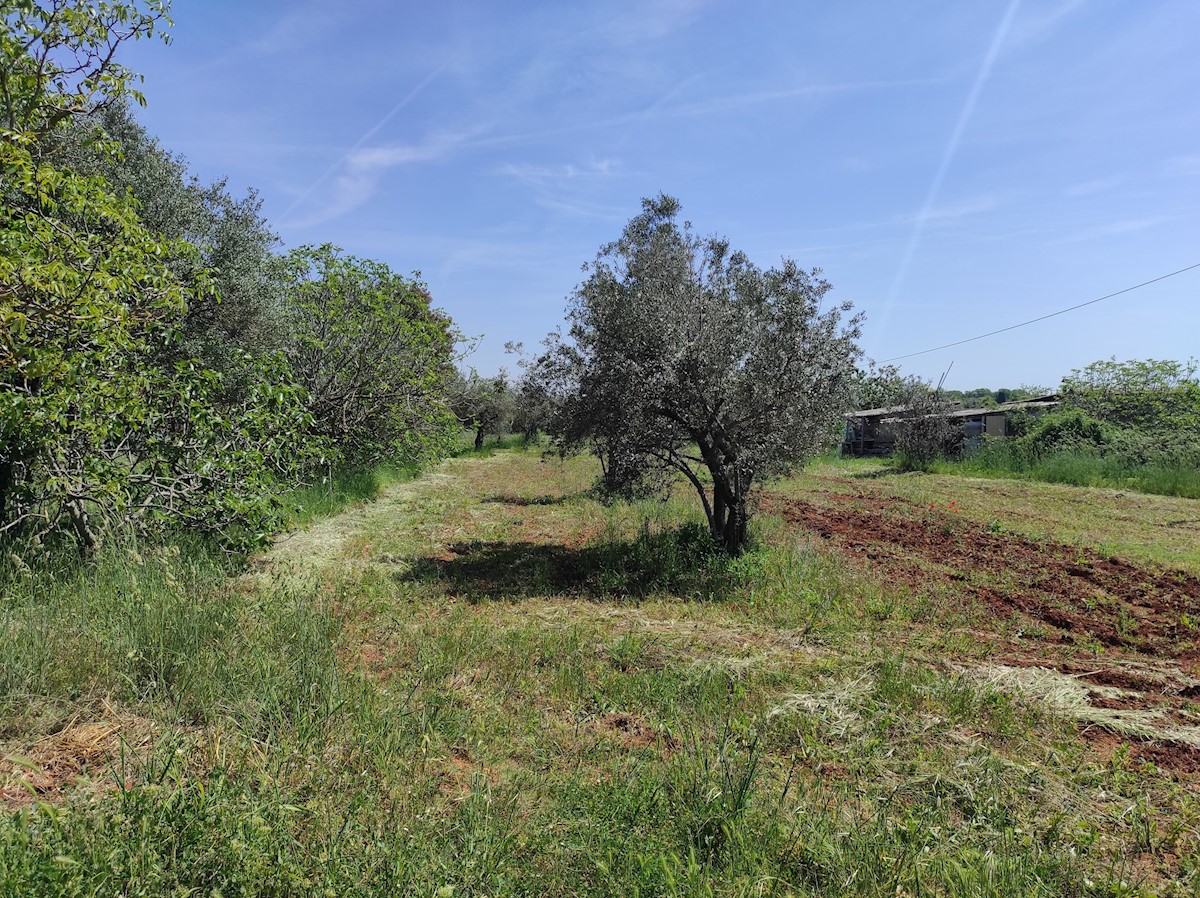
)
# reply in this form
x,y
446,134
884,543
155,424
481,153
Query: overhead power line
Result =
x,y
1013,327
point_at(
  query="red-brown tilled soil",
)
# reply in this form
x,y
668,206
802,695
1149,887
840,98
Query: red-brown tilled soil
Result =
x,y
1078,592
1078,596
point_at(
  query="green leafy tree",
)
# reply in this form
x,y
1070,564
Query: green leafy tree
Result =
x,y
1149,409
234,247
1147,394
685,358
486,405
80,288
58,60
877,386
83,297
373,355
924,431
102,420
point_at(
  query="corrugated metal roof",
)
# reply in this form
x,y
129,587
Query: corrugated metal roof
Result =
x,y
1040,402
876,412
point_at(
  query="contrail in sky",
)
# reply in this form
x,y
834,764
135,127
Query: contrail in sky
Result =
x,y
371,132
947,157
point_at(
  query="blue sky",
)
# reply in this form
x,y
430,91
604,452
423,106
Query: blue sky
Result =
x,y
953,167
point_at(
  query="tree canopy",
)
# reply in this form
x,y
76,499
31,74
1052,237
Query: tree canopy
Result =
x,y
683,357
372,353
487,405
160,367
1147,393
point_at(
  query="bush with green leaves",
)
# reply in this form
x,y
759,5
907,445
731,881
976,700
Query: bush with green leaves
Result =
x,y
104,421
1070,430
877,386
96,427
373,355
924,431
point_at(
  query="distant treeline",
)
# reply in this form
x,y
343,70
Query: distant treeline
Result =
x,y
1132,424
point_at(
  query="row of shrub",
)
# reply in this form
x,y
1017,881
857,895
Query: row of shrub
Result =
x,y
163,366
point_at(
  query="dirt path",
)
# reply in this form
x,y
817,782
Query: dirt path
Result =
x,y
301,557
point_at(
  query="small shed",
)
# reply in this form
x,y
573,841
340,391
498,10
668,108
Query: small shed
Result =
x,y
872,431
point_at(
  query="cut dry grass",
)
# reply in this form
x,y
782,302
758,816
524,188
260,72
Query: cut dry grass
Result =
x,y
1066,695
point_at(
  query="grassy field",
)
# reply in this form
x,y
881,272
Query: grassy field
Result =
x,y
1148,528
1178,478
486,683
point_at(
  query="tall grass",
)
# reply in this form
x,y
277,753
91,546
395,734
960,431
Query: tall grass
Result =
x,y
161,632
341,488
1079,468
491,445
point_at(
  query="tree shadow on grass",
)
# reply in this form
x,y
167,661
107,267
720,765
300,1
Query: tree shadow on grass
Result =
x,y
890,471
681,562
525,501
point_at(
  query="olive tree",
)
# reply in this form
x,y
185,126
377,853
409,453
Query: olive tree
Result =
x,y
233,244
486,405
925,431
683,357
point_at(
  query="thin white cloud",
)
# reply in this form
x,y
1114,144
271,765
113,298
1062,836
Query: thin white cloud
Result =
x,y
962,209
352,178
985,69
361,170
570,187
582,208
728,102
654,19
696,109
1133,225
1124,227
1090,188
1040,21
558,175
855,164
294,30
1129,226
672,93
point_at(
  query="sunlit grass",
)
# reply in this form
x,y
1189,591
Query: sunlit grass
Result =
x,y
508,688
1081,469
339,489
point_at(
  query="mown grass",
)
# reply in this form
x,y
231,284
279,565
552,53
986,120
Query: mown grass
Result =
x,y
514,690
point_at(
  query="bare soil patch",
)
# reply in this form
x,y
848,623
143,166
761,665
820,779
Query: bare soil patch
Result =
x,y
1078,597
634,733
1076,591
